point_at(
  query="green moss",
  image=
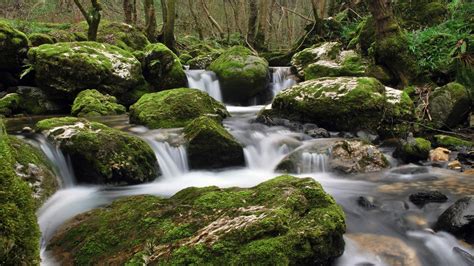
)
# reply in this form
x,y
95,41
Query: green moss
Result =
x,y
37,39
19,232
94,103
13,47
65,69
9,104
348,63
101,154
62,36
174,108
449,105
415,150
162,68
420,13
242,74
184,58
452,142
285,219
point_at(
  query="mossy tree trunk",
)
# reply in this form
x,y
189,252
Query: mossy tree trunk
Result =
x,y
150,19
127,11
168,25
391,46
261,35
252,23
92,17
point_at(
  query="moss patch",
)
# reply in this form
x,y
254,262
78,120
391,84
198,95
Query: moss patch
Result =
x,y
94,103
286,219
449,105
13,47
452,142
174,108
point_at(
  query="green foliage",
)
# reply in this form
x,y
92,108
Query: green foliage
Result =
x,y
30,27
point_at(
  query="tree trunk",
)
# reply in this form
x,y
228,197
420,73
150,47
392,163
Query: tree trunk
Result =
x,y
134,12
260,37
150,20
212,20
235,9
92,18
197,23
315,5
127,11
168,27
252,23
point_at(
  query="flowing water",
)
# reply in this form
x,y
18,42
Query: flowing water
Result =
x,y
281,79
264,148
206,81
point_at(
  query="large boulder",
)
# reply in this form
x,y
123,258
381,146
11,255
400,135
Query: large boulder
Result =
x,y
347,63
458,219
242,74
284,221
13,48
323,51
35,101
93,103
203,61
32,166
162,68
37,39
211,146
19,232
101,154
449,105
65,69
344,103
174,108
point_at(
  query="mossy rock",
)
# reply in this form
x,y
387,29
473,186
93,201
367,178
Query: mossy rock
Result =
x,y
32,166
100,154
347,63
323,51
34,101
414,150
90,103
37,39
203,61
9,104
210,146
449,105
174,108
119,34
65,69
64,36
184,58
452,143
13,47
283,221
19,232
241,74
399,110
342,103
162,68
415,14
381,73
365,35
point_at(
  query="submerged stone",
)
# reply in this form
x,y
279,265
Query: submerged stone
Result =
x,y
285,220
100,154
242,74
162,68
174,108
93,103
422,198
211,146
65,69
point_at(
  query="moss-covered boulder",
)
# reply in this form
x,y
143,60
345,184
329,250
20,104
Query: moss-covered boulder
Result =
x,y
452,143
37,39
211,146
119,34
13,47
93,103
398,110
9,104
35,101
414,150
342,103
19,232
324,51
347,63
100,154
66,36
65,69
449,105
242,74
162,68
32,166
174,108
203,61
284,221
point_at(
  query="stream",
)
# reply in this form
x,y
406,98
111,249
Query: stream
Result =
x,y
395,216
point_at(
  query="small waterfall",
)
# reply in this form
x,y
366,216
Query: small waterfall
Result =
x,y
281,79
206,81
314,163
62,164
266,151
173,161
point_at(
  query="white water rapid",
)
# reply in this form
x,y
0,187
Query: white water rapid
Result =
x,y
281,79
206,81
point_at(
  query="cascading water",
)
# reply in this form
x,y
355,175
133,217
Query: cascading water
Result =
x,y
314,163
206,81
281,79
173,161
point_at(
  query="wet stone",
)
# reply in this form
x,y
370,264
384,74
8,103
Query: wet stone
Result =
x,y
421,198
366,202
458,219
